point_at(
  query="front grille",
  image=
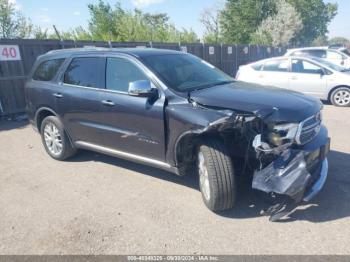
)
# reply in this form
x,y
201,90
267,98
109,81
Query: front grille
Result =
x,y
309,129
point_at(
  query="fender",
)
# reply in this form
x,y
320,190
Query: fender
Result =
x,y
55,114
38,111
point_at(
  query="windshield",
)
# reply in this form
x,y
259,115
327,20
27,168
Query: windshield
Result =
x,y
330,64
183,72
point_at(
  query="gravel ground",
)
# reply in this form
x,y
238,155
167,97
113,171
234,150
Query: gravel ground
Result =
x,y
95,204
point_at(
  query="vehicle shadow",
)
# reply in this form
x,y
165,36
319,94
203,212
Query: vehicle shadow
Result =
x,y
188,181
332,203
13,123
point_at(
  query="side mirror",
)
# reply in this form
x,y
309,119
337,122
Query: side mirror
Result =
x,y
142,88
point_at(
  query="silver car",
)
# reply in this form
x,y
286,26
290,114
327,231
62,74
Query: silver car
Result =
x,y
339,56
312,76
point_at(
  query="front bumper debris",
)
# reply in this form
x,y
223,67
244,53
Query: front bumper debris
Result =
x,y
298,173
319,183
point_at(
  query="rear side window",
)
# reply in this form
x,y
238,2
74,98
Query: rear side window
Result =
x,y
257,66
47,70
83,71
316,53
280,65
120,73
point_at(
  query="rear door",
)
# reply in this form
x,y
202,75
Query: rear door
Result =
x,y
132,124
41,90
308,78
275,72
78,100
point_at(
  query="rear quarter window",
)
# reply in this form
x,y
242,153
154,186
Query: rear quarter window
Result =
x,y
47,70
257,66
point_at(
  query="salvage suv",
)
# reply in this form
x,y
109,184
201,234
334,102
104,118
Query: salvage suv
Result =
x,y
174,111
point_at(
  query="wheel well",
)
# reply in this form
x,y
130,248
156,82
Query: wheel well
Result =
x,y
334,88
41,115
186,147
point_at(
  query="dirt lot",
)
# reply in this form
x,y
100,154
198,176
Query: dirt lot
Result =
x,y
102,205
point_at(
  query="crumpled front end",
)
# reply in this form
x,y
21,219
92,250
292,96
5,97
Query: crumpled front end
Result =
x,y
285,154
298,172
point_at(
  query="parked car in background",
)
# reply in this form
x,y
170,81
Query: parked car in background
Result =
x,y
311,76
175,111
344,50
335,56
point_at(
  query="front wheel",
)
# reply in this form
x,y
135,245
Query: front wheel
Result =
x,y
216,176
341,97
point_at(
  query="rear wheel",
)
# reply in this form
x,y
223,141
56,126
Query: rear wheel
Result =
x,y
216,176
341,97
55,139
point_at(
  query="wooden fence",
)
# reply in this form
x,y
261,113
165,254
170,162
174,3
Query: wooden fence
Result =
x,y
13,73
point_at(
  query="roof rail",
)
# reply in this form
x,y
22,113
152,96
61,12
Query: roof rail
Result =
x,y
85,48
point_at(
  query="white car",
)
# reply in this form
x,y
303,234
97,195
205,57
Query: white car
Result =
x,y
336,56
312,76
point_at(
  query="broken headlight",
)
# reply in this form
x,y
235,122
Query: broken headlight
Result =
x,y
283,133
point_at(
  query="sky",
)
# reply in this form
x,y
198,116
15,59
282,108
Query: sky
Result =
x,y
67,14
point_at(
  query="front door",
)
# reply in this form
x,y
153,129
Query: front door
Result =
x,y
132,124
307,78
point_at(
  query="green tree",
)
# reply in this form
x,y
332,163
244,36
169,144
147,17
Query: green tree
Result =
x,y
103,20
320,41
210,19
316,15
40,33
339,40
279,29
187,36
12,23
157,24
117,24
240,18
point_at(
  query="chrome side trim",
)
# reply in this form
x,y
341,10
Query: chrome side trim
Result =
x,y
319,183
127,156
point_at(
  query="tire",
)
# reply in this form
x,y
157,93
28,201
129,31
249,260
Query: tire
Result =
x,y
54,137
214,160
341,97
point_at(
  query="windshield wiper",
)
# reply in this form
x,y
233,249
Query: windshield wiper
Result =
x,y
212,85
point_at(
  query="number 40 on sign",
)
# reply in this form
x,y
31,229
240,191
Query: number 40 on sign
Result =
x,y
9,52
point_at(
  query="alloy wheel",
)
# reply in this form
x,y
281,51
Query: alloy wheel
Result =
x,y
53,139
342,97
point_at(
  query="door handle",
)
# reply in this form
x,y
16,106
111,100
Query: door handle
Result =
x,y
294,77
261,76
107,103
58,95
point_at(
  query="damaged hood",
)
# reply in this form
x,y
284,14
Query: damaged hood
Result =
x,y
266,102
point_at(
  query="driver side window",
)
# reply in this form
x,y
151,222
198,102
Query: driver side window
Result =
x,y
305,67
120,73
